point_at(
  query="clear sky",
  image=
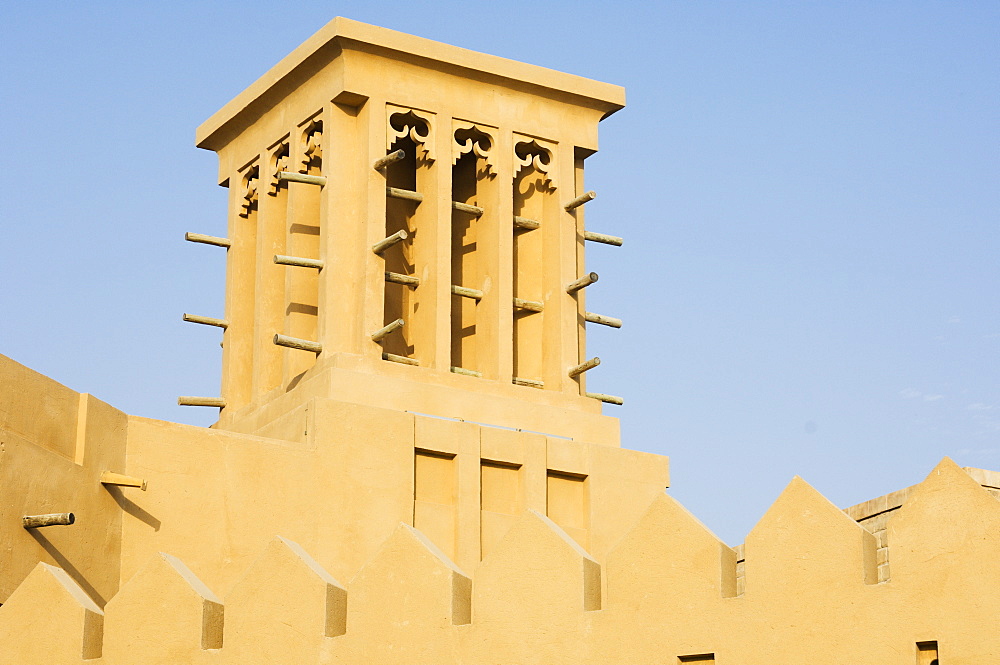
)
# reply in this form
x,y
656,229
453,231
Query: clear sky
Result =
x,y
809,194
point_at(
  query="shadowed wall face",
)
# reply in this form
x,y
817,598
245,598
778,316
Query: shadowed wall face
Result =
x,y
435,498
501,501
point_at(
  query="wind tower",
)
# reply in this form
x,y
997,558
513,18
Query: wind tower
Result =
x,y
406,230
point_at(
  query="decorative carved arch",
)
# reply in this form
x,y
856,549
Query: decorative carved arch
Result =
x,y
416,125
251,178
531,153
278,162
312,142
470,138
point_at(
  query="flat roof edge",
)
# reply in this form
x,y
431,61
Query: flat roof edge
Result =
x,y
606,95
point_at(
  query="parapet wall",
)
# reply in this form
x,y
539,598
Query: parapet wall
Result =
x,y
338,481
54,445
664,594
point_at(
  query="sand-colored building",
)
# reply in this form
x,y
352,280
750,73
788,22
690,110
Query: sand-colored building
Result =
x,y
409,466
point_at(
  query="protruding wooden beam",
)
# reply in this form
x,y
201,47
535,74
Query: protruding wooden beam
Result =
x,y
466,292
208,240
465,207
283,260
405,194
52,519
590,317
607,399
288,176
530,305
583,367
584,281
202,401
112,478
601,238
466,372
580,200
206,321
296,343
391,158
526,224
387,330
403,360
395,238
397,278
531,383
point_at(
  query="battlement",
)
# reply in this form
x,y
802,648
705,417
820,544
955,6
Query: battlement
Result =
x,y
666,590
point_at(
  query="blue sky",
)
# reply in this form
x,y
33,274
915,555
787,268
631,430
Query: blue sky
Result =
x,y
809,194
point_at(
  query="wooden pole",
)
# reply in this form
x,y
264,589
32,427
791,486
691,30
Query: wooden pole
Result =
x,y
391,158
283,260
208,240
52,519
392,357
382,245
465,207
525,223
385,331
583,367
467,372
530,305
531,383
600,237
590,317
580,200
202,401
296,343
607,399
584,281
397,278
288,176
206,321
405,194
466,292
112,478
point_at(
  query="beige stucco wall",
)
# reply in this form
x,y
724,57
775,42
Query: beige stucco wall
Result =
x,y
339,485
54,444
666,590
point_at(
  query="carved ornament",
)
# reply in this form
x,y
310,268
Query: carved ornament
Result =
x,y
402,123
279,163
530,153
312,141
251,178
474,139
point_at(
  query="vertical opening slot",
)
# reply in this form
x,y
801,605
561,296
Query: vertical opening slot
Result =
x,y
464,265
241,296
270,285
303,239
530,191
399,300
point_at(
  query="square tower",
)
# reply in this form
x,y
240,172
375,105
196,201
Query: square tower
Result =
x,y
406,230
